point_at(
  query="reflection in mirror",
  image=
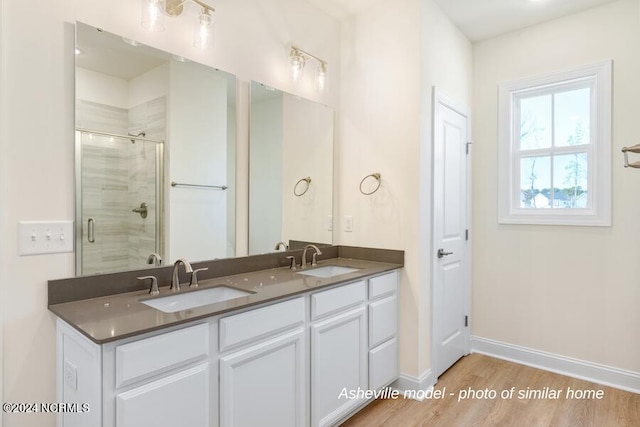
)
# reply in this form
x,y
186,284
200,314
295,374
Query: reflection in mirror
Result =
x,y
144,119
290,171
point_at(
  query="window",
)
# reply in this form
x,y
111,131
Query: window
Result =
x,y
555,148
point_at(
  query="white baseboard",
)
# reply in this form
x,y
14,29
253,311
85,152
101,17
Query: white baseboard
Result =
x,y
405,382
600,374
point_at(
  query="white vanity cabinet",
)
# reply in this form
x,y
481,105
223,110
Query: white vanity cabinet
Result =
x,y
262,367
163,380
286,363
338,351
383,330
159,380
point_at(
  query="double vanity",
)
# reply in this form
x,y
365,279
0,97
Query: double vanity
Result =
x,y
256,343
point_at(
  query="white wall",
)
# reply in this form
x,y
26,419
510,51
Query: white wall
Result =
x,y
265,174
101,88
571,291
151,85
231,179
36,139
197,154
392,56
307,142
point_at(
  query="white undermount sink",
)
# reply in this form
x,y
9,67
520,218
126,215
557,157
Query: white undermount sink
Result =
x,y
328,271
187,300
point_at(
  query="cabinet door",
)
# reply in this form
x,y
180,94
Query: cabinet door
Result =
x,y
181,399
264,385
338,365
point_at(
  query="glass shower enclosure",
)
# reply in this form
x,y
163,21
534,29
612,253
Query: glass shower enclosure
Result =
x,y
119,203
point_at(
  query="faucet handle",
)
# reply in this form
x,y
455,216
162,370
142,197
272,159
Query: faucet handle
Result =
x,y
154,284
194,277
314,259
292,263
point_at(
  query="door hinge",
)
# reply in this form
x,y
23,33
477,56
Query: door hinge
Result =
x,y
466,234
468,145
466,321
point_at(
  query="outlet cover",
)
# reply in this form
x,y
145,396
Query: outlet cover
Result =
x,y
70,375
348,223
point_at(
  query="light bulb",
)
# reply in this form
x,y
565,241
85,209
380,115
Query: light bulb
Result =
x,y
203,31
153,15
321,76
297,66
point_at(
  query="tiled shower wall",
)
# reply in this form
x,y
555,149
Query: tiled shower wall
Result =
x,y
117,176
150,117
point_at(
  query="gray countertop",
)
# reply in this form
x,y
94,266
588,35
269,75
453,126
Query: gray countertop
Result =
x,y
118,316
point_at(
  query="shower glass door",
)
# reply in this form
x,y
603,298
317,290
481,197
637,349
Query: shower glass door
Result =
x,y
118,201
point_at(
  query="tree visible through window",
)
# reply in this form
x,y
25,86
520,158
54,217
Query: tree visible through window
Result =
x,y
554,132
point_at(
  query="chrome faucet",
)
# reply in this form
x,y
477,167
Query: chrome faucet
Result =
x,y
175,281
154,259
314,257
281,244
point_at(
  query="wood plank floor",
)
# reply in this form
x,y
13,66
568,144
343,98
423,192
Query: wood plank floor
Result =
x,y
478,372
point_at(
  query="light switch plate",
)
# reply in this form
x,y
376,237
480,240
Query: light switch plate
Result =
x,y
45,237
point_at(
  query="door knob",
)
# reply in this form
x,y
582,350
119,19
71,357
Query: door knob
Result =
x,y
442,253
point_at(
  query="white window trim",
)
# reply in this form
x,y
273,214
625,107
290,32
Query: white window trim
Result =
x,y
599,213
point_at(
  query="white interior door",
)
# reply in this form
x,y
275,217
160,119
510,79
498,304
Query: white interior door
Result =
x,y
451,281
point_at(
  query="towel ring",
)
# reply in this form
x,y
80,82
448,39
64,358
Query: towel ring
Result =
x,y
295,187
377,176
626,151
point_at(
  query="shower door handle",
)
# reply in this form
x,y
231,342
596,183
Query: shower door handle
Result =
x,y
91,230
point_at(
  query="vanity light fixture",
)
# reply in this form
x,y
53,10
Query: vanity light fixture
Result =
x,y
154,11
153,15
321,76
297,64
298,59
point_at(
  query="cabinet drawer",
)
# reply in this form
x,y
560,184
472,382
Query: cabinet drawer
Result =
x,y
337,299
181,399
383,320
140,359
383,364
260,323
383,285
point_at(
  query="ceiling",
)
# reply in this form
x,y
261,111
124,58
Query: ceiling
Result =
x,y
109,54
481,19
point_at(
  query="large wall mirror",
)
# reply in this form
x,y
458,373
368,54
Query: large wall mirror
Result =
x,y
291,171
155,156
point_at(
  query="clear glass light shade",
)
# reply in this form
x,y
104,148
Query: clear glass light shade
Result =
x,y
153,15
203,31
321,77
297,67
